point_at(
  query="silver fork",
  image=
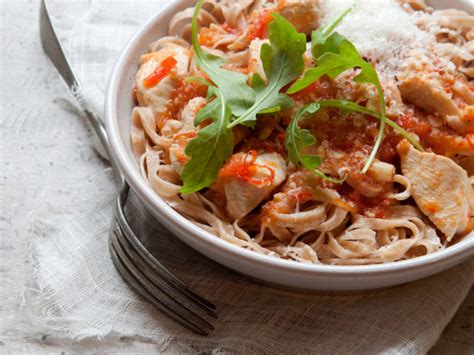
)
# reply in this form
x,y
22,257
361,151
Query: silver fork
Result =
x,y
137,266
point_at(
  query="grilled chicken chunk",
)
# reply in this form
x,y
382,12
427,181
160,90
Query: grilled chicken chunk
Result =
x,y
428,94
243,196
255,64
156,97
440,188
303,14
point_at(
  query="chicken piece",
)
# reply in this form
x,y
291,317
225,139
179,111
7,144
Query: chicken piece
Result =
x,y
440,188
190,112
255,63
416,5
156,97
428,94
453,18
303,14
178,158
243,195
177,149
463,91
465,123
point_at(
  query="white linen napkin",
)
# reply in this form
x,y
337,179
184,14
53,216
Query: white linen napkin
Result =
x,y
78,294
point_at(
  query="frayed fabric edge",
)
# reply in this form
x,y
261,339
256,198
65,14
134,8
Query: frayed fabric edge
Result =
x,y
40,314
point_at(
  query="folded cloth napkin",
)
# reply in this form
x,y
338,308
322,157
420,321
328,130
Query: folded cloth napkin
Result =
x,y
78,293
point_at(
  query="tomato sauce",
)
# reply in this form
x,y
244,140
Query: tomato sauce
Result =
x,y
323,89
442,140
180,96
186,135
276,143
388,149
207,37
260,27
182,139
303,195
160,72
343,133
244,167
374,207
229,29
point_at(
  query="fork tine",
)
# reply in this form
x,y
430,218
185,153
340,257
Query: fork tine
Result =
x,y
165,297
152,293
151,260
152,275
163,285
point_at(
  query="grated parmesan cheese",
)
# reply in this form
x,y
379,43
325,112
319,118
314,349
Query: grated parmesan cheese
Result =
x,y
381,31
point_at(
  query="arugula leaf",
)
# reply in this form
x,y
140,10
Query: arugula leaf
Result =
x,y
321,39
296,139
333,63
282,61
233,85
334,55
212,146
198,79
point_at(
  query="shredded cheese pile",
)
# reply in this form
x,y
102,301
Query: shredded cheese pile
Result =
x,y
380,30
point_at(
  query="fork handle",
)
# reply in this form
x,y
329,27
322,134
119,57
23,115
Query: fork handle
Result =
x,y
53,49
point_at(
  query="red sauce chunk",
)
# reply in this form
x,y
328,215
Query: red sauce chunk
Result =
x,y
244,167
441,140
208,37
160,72
180,96
303,195
275,143
258,29
323,89
374,207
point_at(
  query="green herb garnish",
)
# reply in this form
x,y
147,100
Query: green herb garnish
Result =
x,y
212,146
335,54
238,95
283,62
321,41
296,139
236,102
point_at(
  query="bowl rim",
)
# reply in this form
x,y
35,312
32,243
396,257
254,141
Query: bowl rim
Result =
x,y
167,215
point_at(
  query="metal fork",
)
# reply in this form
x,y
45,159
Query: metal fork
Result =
x,y
132,260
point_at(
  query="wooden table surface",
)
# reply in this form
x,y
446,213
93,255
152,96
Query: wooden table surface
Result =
x,y
48,164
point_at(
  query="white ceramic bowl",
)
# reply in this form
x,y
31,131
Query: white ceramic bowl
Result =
x,y
285,273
